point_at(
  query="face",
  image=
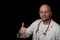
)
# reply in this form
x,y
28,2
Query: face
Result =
x,y
45,12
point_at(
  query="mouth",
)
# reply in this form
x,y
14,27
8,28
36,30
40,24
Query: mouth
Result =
x,y
44,18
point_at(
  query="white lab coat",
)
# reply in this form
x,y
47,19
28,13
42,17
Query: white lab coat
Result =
x,y
53,32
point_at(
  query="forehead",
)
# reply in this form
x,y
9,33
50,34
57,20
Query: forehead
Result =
x,y
45,7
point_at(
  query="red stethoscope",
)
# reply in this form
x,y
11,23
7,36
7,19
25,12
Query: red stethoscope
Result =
x,y
45,30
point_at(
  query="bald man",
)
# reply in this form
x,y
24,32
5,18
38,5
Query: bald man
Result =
x,y
42,29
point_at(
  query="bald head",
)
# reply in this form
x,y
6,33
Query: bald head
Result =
x,y
45,7
45,12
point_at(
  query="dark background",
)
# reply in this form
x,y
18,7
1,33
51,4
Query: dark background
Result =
x,y
28,12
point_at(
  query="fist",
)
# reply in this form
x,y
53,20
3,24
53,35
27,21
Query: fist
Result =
x,y
23,29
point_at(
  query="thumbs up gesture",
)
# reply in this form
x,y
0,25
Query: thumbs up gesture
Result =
x,y
23,29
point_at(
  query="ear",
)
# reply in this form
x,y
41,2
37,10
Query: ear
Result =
x,y
39,10
51,13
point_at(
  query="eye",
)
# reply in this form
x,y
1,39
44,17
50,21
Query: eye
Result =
x,y
46,12
41,11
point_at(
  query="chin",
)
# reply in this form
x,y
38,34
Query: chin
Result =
x,y
44,19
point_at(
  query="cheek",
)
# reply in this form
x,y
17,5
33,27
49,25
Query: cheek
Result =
x,y
48,14
40,15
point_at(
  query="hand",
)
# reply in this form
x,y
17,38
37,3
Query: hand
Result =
x,y
22,30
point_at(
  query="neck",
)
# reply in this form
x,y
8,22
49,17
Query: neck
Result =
x,y
46,21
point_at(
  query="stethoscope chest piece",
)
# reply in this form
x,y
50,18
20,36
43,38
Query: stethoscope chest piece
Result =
x,y
44,33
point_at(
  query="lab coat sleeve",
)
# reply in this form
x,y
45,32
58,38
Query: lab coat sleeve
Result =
x,y
57,34
29,31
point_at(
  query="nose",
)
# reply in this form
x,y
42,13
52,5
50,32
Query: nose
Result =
x,y
44,13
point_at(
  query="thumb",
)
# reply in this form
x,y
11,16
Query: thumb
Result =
x,y
22,24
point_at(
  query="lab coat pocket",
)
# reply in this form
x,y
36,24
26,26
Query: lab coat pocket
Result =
x,y
42,37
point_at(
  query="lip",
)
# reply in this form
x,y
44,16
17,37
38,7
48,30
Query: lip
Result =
x,y
44,17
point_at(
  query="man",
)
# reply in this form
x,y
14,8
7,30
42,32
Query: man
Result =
x,y
42,29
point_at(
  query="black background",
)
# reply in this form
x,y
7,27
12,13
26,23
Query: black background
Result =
x,y
28,12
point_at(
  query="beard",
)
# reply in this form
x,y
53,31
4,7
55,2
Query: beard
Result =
x,y
45,19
